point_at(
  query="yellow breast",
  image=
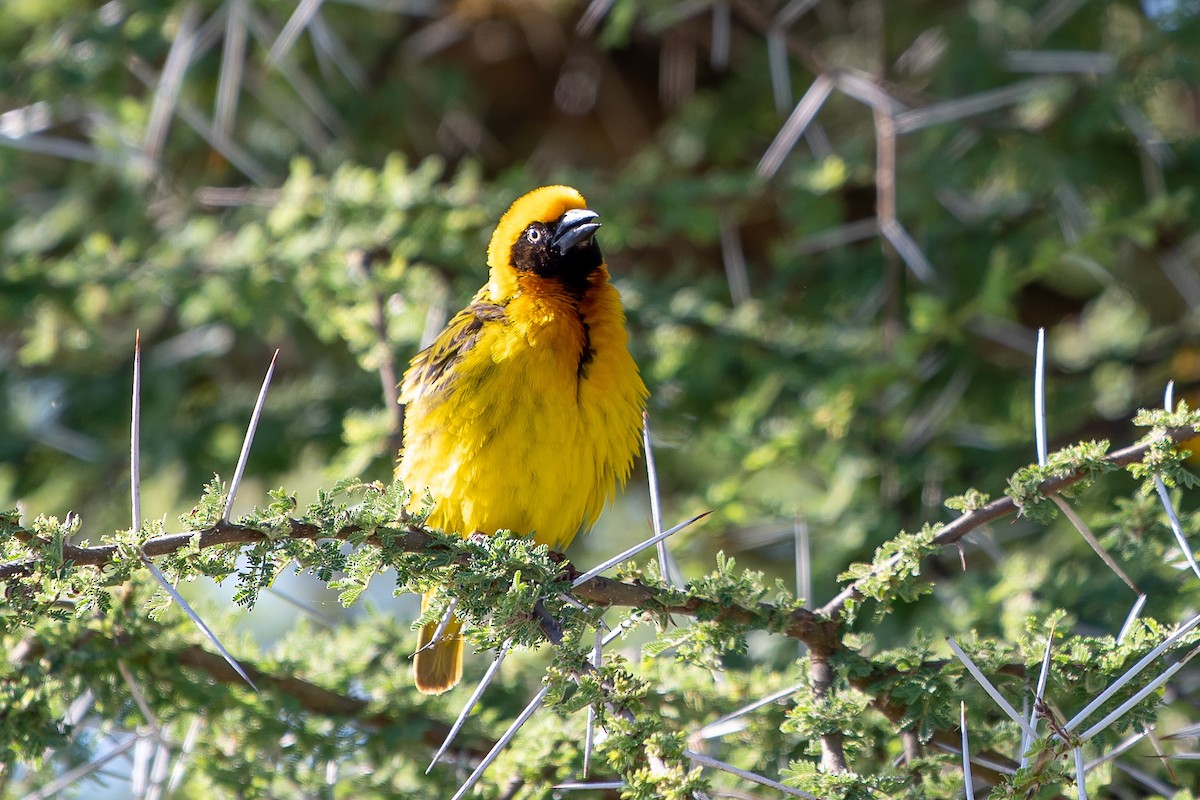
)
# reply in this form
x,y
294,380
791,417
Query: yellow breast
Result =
x,y
539,426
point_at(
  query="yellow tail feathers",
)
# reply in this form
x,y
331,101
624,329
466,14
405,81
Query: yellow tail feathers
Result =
x,y
437,668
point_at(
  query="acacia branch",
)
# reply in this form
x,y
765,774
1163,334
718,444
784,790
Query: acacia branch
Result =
x,y
308,695
954,531
802,624
819,629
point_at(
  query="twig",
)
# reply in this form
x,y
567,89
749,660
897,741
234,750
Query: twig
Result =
x,y
166,93
791,131
815,628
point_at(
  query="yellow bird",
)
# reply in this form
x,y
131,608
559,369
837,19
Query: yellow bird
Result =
x,y
525,413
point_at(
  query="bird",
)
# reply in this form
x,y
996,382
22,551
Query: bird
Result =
x,y
525,412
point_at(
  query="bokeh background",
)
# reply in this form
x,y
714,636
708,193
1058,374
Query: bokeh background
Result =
x,y
836,227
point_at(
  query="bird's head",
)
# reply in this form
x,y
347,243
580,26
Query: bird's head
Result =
x,y
547,236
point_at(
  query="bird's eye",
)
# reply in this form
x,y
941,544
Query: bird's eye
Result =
x,y
533,235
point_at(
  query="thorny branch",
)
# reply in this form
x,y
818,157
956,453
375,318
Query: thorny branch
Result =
x,y
820,630
803,624
954,531
816,629
308,695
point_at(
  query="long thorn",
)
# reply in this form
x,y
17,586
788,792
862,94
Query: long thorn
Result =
x,y
189,743
442,623
664,558
135,436
82,771
992,691
1093,542
1131,673
1038,696
803,543
1134,613
753,777
632,551
139,770
250,429
1141,695
470,704
79,708
1039,397
521,719
1129,742
1158,751
589,736
233,63
968,780
187,609
139,698
1080,774
986,763
168,89
295,602
734,259
779,68
908,249
296,24
159,771
1176,528
720,726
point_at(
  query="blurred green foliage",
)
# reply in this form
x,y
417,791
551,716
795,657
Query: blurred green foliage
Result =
x,y
196,172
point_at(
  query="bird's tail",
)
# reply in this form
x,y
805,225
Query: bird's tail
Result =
x,y
437,667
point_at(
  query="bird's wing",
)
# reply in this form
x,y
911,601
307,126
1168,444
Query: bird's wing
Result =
x,y
433,369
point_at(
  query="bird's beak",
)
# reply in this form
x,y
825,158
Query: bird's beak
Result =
x,y
575,226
